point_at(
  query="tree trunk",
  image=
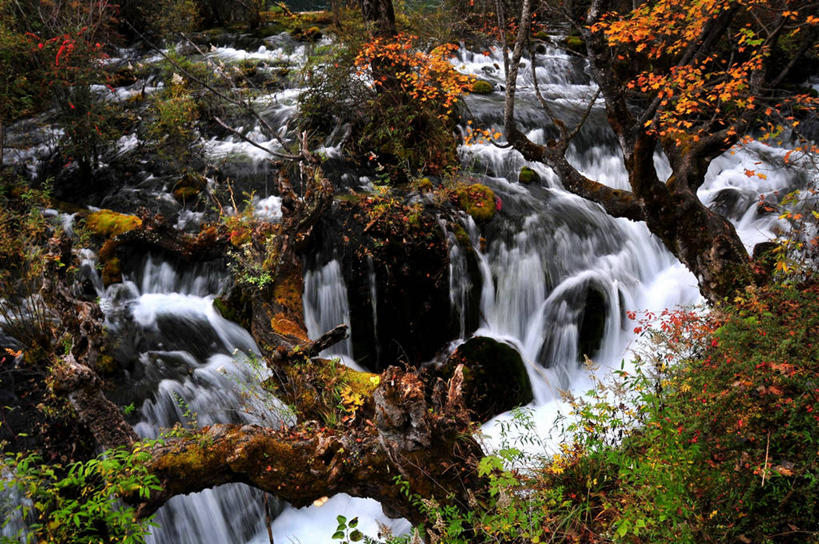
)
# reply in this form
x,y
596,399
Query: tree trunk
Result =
x,y
2,142
381,15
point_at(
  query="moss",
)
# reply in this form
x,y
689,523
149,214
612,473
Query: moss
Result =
x,y
108,223
477,200
424,185
185,193
311,34
287,292
541,35
527,176
106,364
480,86
575,43
461,235
112,272
283,325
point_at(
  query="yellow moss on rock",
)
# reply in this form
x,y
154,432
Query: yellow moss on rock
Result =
x,y
285,326
109,223
477,200
479,86
111,272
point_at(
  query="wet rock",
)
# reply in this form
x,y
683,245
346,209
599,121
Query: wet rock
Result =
x,y
527,176
495,378
592,322
400,253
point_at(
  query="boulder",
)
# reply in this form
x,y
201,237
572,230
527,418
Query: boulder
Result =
x,y
495,377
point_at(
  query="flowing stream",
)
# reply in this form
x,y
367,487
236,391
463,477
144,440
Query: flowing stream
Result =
x,y
552,266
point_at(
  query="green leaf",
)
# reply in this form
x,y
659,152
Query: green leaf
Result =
x,y
342,521
353,523
338,535
356,535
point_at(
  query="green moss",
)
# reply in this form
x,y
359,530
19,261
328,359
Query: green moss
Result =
x,y
479,86
575,43
527,176
108,223
477,200
541,35
106,364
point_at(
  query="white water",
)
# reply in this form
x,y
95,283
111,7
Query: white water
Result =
x,y
543,253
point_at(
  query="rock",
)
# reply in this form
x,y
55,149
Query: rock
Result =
x,y
495,378
477,200
592,322
480,86
527,176
400,253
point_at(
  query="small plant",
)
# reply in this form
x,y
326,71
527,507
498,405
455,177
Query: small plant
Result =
x,y
79,504
346,531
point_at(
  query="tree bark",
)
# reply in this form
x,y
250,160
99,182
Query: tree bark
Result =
x,y
418,432
381,15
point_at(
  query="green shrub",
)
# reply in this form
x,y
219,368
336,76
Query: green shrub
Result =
x,y
80,503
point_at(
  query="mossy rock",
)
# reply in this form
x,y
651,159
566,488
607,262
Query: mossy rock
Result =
x,y
311,34
108,223
480,86
495,377
477,200
527,176
424,185
112,272
575,43
541,35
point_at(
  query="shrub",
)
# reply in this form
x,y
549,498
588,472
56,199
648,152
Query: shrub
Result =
x,y
79,503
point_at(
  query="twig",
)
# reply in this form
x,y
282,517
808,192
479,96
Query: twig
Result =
x,y
765,466
254,144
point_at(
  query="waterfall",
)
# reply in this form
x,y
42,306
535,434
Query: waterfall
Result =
x,y
557,275
556,267
326,306
189,365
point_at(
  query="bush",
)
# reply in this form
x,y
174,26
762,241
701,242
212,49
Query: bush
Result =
x,y
80,503
407,119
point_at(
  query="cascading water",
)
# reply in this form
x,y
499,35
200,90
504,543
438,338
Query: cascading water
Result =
x,y
190,366
553,252
557,275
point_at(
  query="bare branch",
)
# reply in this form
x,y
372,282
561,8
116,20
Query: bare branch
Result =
x,y
254,144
